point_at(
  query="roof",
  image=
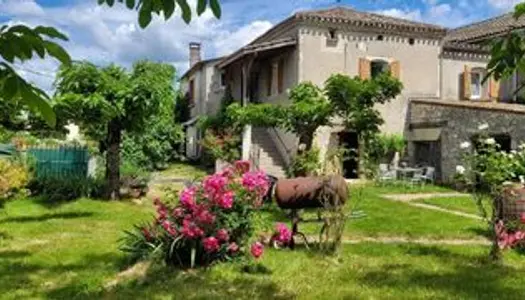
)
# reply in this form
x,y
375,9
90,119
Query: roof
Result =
x,y
199,65
484,29
258,47
367,19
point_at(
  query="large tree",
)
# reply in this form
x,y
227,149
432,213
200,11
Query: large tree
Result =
x,y
107,101
22,43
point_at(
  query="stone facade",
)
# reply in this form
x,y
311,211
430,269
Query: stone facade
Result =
x,y
459,122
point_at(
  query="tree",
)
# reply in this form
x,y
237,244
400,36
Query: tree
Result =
x,y
22,42
107,101
355,101
508,53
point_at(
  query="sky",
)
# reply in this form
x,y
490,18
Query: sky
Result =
x,y
105,35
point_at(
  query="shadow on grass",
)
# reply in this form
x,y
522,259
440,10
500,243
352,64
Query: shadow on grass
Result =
x,y
47,216
484,232
464,276
10,254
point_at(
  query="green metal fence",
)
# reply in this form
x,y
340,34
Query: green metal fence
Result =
x,y
61,161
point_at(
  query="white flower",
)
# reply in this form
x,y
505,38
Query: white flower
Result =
x,y
464,145
460,170
507,183
511,156
490,141
522,179
513,152
483,126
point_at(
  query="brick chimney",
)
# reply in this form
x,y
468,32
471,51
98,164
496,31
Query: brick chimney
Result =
x,y
195,53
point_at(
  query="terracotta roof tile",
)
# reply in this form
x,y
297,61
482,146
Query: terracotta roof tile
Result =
x,y
372,19
487,28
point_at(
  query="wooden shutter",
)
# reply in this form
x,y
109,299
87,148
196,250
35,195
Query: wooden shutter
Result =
x,y
395,69
466,83
269,77
493,89
364,68
280,76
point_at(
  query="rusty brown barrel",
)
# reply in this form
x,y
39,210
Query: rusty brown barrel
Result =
x,y
311,192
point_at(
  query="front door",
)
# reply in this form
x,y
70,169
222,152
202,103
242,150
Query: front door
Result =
x,y
349,141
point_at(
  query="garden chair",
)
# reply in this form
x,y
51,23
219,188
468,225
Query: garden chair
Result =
x,y
386,175
424,177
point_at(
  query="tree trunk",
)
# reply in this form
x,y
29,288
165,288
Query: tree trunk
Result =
x,y
113,160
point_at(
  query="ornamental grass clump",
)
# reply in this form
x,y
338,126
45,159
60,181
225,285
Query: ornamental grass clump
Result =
x,y
212,221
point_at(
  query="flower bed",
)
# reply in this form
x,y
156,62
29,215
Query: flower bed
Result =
x,y
211,222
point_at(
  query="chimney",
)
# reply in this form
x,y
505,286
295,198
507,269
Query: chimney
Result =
x,y
195,53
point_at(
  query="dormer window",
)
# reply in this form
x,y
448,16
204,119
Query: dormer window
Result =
x,y
332,34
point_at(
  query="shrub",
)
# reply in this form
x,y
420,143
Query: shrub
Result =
x,y
58,189
14,176
224,146
304,164
212,221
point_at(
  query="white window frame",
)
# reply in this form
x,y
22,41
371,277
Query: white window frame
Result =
x,y
480,74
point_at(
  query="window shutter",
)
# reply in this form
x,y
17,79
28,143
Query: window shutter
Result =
x,y
280,77
395,69
466,83
364,68
269,80
493,89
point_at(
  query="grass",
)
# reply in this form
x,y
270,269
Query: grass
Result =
x,y
184,170
465,204
71,251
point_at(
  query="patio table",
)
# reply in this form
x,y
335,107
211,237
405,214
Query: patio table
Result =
x,y
403,173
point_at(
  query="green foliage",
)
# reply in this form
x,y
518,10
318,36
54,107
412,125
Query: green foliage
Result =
x,y
166,8
14,175
182,108
382,147
59,189
355,100
305,163
224,146
20,42
508,53
105,102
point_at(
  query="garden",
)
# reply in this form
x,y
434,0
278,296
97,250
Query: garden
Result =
x,y
118,212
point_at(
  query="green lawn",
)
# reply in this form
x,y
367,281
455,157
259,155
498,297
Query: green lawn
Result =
x,y
465,204
71,251
184,170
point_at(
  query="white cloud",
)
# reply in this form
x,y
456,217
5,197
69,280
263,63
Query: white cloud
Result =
x,y
414,15
242,36
504,5
20,8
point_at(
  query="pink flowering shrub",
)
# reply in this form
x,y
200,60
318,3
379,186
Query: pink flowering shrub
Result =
x,y
211,221
512,235
282,235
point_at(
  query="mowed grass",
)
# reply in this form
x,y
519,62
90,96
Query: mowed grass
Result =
x,y
466,204
386,218
71,251
184,170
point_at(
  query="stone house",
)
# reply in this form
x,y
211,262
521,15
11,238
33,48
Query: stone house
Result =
x,y
443,100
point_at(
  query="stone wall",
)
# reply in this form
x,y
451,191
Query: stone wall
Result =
x,y
460,121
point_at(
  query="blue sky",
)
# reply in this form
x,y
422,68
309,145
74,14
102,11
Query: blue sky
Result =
x,y
104,35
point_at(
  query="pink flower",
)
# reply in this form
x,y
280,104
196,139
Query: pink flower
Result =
x,y
205,217
211,244
169,227
187,197
257,249
520,235
190,230
178,212
213,185
228,172
162,212
522,218
233,247
226,200
284,235
242,166
256,182
222,235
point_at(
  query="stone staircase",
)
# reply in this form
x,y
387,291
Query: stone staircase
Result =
x,y
269,157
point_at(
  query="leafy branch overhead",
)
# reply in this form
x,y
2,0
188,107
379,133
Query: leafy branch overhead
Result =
x,y
146,8
22,43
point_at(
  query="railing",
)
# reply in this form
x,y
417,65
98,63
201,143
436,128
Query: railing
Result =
x,y
282,144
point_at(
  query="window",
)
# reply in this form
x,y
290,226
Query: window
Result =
x,y
380,37
411,41
223,78
191,92
475,85
378,67
280,76
332,35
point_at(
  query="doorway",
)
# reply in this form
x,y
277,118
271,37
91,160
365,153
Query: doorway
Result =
x,y
349,141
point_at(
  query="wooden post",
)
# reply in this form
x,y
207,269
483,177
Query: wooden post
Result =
x,y
247,132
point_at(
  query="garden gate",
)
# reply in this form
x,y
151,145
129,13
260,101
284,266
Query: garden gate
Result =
x,y
61,161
